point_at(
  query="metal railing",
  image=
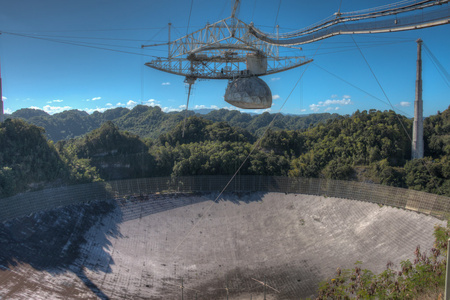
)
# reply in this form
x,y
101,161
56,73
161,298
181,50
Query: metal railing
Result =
x,y
27,203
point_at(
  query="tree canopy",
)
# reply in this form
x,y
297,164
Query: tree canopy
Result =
x,y
371,146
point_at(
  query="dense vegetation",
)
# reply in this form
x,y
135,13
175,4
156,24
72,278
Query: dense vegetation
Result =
x,y
151,122
27,159
368,146
424,278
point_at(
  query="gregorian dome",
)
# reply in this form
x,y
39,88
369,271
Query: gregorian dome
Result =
x,y
248,93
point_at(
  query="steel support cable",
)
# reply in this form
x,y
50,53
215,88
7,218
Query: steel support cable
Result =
x,y
340,5
190,84
407,133
142,74
446,78
356,87
255,146
387,7
186,110
348,48
86,37
381,87
102,44
95,30
222,10
276,18
441,72
441,69
358,16
337,26
254,8
371,35
189,19
76,44
158,32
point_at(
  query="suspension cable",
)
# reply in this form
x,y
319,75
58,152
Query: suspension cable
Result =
x,y
255,146
381,87
189,19
441,69
253,13
356,87
339,10
276,18
75,44
407,133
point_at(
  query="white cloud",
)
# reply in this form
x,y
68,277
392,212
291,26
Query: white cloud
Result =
x,y
206,107
275,79
275,97
131,104
345,101
334,96
332,108
328,103
170,109
152,102
99,109
233,108
53,109
314,107
303,109
96,98
57,101
109,104
119,104
165,83
35,107
8,111
4,98
405,104
183,107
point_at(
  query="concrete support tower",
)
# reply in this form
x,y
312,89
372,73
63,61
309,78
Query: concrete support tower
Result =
x,y
417,139
2,117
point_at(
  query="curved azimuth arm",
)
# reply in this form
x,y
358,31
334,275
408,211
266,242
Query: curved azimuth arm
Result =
x,y
230,33
400,16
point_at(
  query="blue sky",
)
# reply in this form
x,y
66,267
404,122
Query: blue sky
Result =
x,y
54,76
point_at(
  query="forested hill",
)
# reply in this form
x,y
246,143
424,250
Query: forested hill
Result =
x,y
367,146
151,122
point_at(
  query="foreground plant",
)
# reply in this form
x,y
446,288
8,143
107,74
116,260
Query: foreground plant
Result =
x,y
425,274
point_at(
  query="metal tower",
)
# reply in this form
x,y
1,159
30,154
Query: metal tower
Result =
x,y
417,138
224,50
227,50
231,49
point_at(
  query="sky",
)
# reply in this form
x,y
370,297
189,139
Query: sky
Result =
x,y
53,76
